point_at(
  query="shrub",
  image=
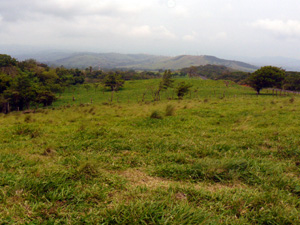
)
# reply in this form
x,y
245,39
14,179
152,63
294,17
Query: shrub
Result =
x,y
182,89
156,115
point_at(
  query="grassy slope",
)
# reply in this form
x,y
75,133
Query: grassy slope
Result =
x,y
232,160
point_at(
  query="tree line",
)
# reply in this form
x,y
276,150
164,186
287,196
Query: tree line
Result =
x,y
27,83
265,77
274,77
30,83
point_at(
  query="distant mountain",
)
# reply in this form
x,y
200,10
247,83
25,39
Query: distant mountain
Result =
x,y
108,60
183,61
43,56
134,61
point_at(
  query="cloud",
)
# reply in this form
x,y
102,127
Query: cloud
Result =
x,y
280,28
190,37
141,31
145,31
221,35
15,10
180,11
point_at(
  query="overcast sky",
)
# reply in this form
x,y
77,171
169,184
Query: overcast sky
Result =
x,y
224,28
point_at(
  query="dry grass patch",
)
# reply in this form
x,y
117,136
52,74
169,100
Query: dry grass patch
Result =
x,y
139,178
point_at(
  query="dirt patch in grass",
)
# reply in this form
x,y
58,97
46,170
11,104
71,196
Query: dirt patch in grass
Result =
x,y
139,178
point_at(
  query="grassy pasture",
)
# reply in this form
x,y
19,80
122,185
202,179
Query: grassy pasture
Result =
x,y
135,91
212,158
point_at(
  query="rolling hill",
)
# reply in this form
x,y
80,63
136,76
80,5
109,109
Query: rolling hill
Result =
x,y
136,61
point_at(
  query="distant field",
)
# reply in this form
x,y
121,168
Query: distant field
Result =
x,y
133,92
222,156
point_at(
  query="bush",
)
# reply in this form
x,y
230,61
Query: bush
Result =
x,y
182,89
156,115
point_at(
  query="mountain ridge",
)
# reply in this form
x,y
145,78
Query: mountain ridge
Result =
x,y
135,61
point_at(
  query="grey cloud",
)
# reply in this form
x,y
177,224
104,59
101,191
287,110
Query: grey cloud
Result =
x,y
15,10
154,26
280,28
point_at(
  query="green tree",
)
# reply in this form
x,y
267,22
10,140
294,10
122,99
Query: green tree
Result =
x,y
45,97
5,81
167,80
113,81
182,88
266,77
78,76
22,91
292,81
6,60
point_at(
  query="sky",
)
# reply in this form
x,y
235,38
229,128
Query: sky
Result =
x,y
223,28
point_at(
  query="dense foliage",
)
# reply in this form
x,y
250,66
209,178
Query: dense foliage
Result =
x,y
266,77
27,83
292,81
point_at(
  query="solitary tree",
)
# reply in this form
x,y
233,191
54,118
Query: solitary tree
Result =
x,y
113,81
266,77
167,80
182,88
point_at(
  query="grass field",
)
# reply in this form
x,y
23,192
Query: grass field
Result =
x,y
134,91
222,155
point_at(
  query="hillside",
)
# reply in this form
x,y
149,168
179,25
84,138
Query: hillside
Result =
x,y
107,60
182,61
215,72
135,61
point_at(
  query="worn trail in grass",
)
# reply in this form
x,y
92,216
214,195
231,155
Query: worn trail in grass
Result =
x,y
231,160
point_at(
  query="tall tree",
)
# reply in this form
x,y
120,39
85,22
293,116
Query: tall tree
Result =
x,y
113,81
167,80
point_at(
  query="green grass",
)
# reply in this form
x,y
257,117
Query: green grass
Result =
x,y
215,159
139,90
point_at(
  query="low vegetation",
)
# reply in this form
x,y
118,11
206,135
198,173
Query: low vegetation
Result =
x,y
220,155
